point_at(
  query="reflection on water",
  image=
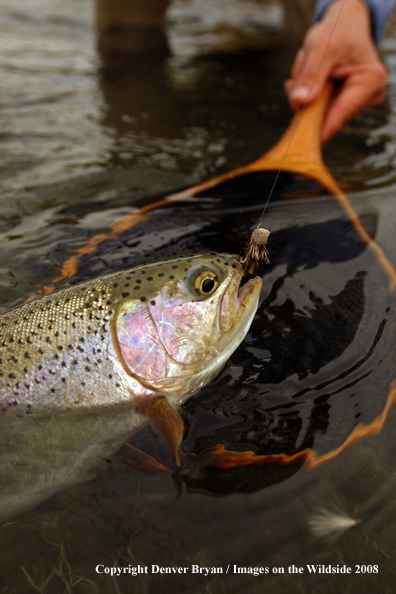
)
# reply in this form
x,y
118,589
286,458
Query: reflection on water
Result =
x,y
86,137
41,455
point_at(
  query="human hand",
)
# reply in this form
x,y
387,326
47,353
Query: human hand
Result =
x,y
351,56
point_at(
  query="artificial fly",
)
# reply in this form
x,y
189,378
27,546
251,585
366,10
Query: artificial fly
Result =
x,y
255,251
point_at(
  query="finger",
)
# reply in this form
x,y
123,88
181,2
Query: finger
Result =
x,y
298,62
355,96
312,75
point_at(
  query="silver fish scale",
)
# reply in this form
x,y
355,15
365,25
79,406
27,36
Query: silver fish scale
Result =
x,y
57,347
54,351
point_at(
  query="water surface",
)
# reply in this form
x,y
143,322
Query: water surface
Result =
x,y
85,139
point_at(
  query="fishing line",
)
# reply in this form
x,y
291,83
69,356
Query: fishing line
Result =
x,y
302,111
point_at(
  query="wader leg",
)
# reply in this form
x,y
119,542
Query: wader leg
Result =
x,y
130,25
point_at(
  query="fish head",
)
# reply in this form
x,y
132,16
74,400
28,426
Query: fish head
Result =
x,y
177,326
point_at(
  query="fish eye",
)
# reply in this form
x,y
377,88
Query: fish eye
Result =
x,y
206,283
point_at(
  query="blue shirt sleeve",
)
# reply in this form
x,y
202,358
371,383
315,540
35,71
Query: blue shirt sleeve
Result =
x,y
379,10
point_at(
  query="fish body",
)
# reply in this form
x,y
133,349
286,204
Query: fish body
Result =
x,y
81,369
159,329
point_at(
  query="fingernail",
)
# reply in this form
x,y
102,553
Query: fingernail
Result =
x,y
299,93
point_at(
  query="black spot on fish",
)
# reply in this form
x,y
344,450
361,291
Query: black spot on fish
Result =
x,y
125,294
115,285
143,299
27,355
161,274
152,302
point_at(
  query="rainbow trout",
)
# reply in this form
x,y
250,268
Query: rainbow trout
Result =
x,y
84,368
162,329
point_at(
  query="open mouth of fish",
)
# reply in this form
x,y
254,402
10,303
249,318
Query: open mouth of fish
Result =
x,y
237,309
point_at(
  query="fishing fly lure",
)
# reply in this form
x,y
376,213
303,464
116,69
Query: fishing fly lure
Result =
x,y
256,250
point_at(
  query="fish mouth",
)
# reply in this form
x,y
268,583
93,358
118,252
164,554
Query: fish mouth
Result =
x,y
247,302
252,286
237,309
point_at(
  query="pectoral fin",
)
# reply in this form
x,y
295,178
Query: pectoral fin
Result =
x,y
165,422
